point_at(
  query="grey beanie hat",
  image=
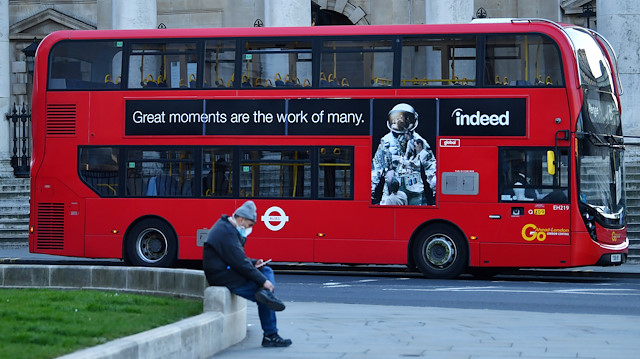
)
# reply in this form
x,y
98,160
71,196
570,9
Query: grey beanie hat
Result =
x,y
247,210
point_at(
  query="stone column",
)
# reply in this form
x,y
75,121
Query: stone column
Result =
x,y
139,14
618,23
287,13
5,91
448,11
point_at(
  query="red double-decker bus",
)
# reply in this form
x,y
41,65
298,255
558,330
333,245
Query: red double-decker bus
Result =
x,y
442,147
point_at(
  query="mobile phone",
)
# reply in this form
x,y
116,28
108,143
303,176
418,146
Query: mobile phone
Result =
x,y
263,263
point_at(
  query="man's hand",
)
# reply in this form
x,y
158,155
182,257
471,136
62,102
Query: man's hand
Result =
x,y
268,285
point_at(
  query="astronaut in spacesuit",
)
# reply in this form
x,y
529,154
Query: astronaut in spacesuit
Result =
x,y
406,156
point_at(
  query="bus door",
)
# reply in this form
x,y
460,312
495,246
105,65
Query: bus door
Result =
x,y
532,214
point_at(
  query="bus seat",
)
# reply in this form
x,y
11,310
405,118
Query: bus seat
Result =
x,y
246,81
519,83
323,80
344,82
278,80
289,81
307,83
192,81
166,185
161,81
187,188
152,187
332,81
149,82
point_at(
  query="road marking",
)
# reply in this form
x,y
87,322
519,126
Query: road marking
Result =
x,y
587,291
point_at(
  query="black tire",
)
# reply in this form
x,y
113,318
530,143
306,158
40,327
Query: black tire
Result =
x,y
440,252
151,243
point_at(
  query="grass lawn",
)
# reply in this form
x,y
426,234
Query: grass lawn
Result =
x,y
46,323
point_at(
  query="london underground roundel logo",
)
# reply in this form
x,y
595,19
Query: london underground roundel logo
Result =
x,y
275,215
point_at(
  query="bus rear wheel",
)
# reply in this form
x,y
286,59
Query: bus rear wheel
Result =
x,y
151,243
440,252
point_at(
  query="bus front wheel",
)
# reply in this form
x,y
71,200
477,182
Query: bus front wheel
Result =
x,y
151,243
440,252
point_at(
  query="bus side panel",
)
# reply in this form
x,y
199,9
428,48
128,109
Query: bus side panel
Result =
x,y
314,230
59,223
525,255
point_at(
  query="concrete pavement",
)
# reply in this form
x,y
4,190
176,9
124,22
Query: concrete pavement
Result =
x,y
348,331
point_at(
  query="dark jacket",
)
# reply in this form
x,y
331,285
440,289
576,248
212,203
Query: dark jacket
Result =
x,y
223,258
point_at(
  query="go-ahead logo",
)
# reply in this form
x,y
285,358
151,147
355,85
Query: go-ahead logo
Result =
x,y
479,119
280,218
531,232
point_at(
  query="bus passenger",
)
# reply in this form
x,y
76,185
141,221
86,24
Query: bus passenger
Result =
x,y
225,264
392,158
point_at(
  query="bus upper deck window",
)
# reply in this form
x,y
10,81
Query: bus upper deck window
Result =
x,y
85,65
438,61
522,60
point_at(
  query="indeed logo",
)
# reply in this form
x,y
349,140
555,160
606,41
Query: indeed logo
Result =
x,y
480,119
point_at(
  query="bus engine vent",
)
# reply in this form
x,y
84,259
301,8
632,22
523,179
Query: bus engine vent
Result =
x,y
61,119
50,226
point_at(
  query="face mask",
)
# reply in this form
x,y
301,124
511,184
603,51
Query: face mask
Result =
x,y
245,232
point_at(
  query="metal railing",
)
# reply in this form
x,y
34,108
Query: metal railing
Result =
x,y
20,130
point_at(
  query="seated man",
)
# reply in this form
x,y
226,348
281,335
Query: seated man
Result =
x,y
225,264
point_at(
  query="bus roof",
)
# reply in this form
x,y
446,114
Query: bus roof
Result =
x,y
477,26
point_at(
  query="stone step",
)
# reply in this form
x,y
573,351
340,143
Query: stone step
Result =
x,y
14,236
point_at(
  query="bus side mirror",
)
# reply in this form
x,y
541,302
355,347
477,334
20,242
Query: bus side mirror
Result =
x,y
551,162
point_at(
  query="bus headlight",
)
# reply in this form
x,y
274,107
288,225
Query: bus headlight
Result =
x,y
589,221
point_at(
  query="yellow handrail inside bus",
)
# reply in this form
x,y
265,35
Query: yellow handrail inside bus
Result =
x,y
382,81
107,79
295,175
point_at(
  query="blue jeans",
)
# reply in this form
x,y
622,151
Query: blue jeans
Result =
x,y
248,291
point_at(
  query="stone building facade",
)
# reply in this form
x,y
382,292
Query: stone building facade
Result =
x,y
22,22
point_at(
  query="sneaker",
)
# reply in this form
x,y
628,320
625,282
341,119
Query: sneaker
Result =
x,y
266,296
274,340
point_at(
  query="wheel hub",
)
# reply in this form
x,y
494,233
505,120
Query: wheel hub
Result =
x,y
439,251
151,245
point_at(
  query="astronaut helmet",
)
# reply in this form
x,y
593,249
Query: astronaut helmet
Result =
x,y
402,118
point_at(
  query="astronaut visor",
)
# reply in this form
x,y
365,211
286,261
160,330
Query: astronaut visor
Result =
x,y
401,121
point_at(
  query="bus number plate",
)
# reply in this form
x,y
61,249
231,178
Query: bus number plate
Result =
x,y
615,258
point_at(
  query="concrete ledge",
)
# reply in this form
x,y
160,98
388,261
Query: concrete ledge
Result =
x,y
222,324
